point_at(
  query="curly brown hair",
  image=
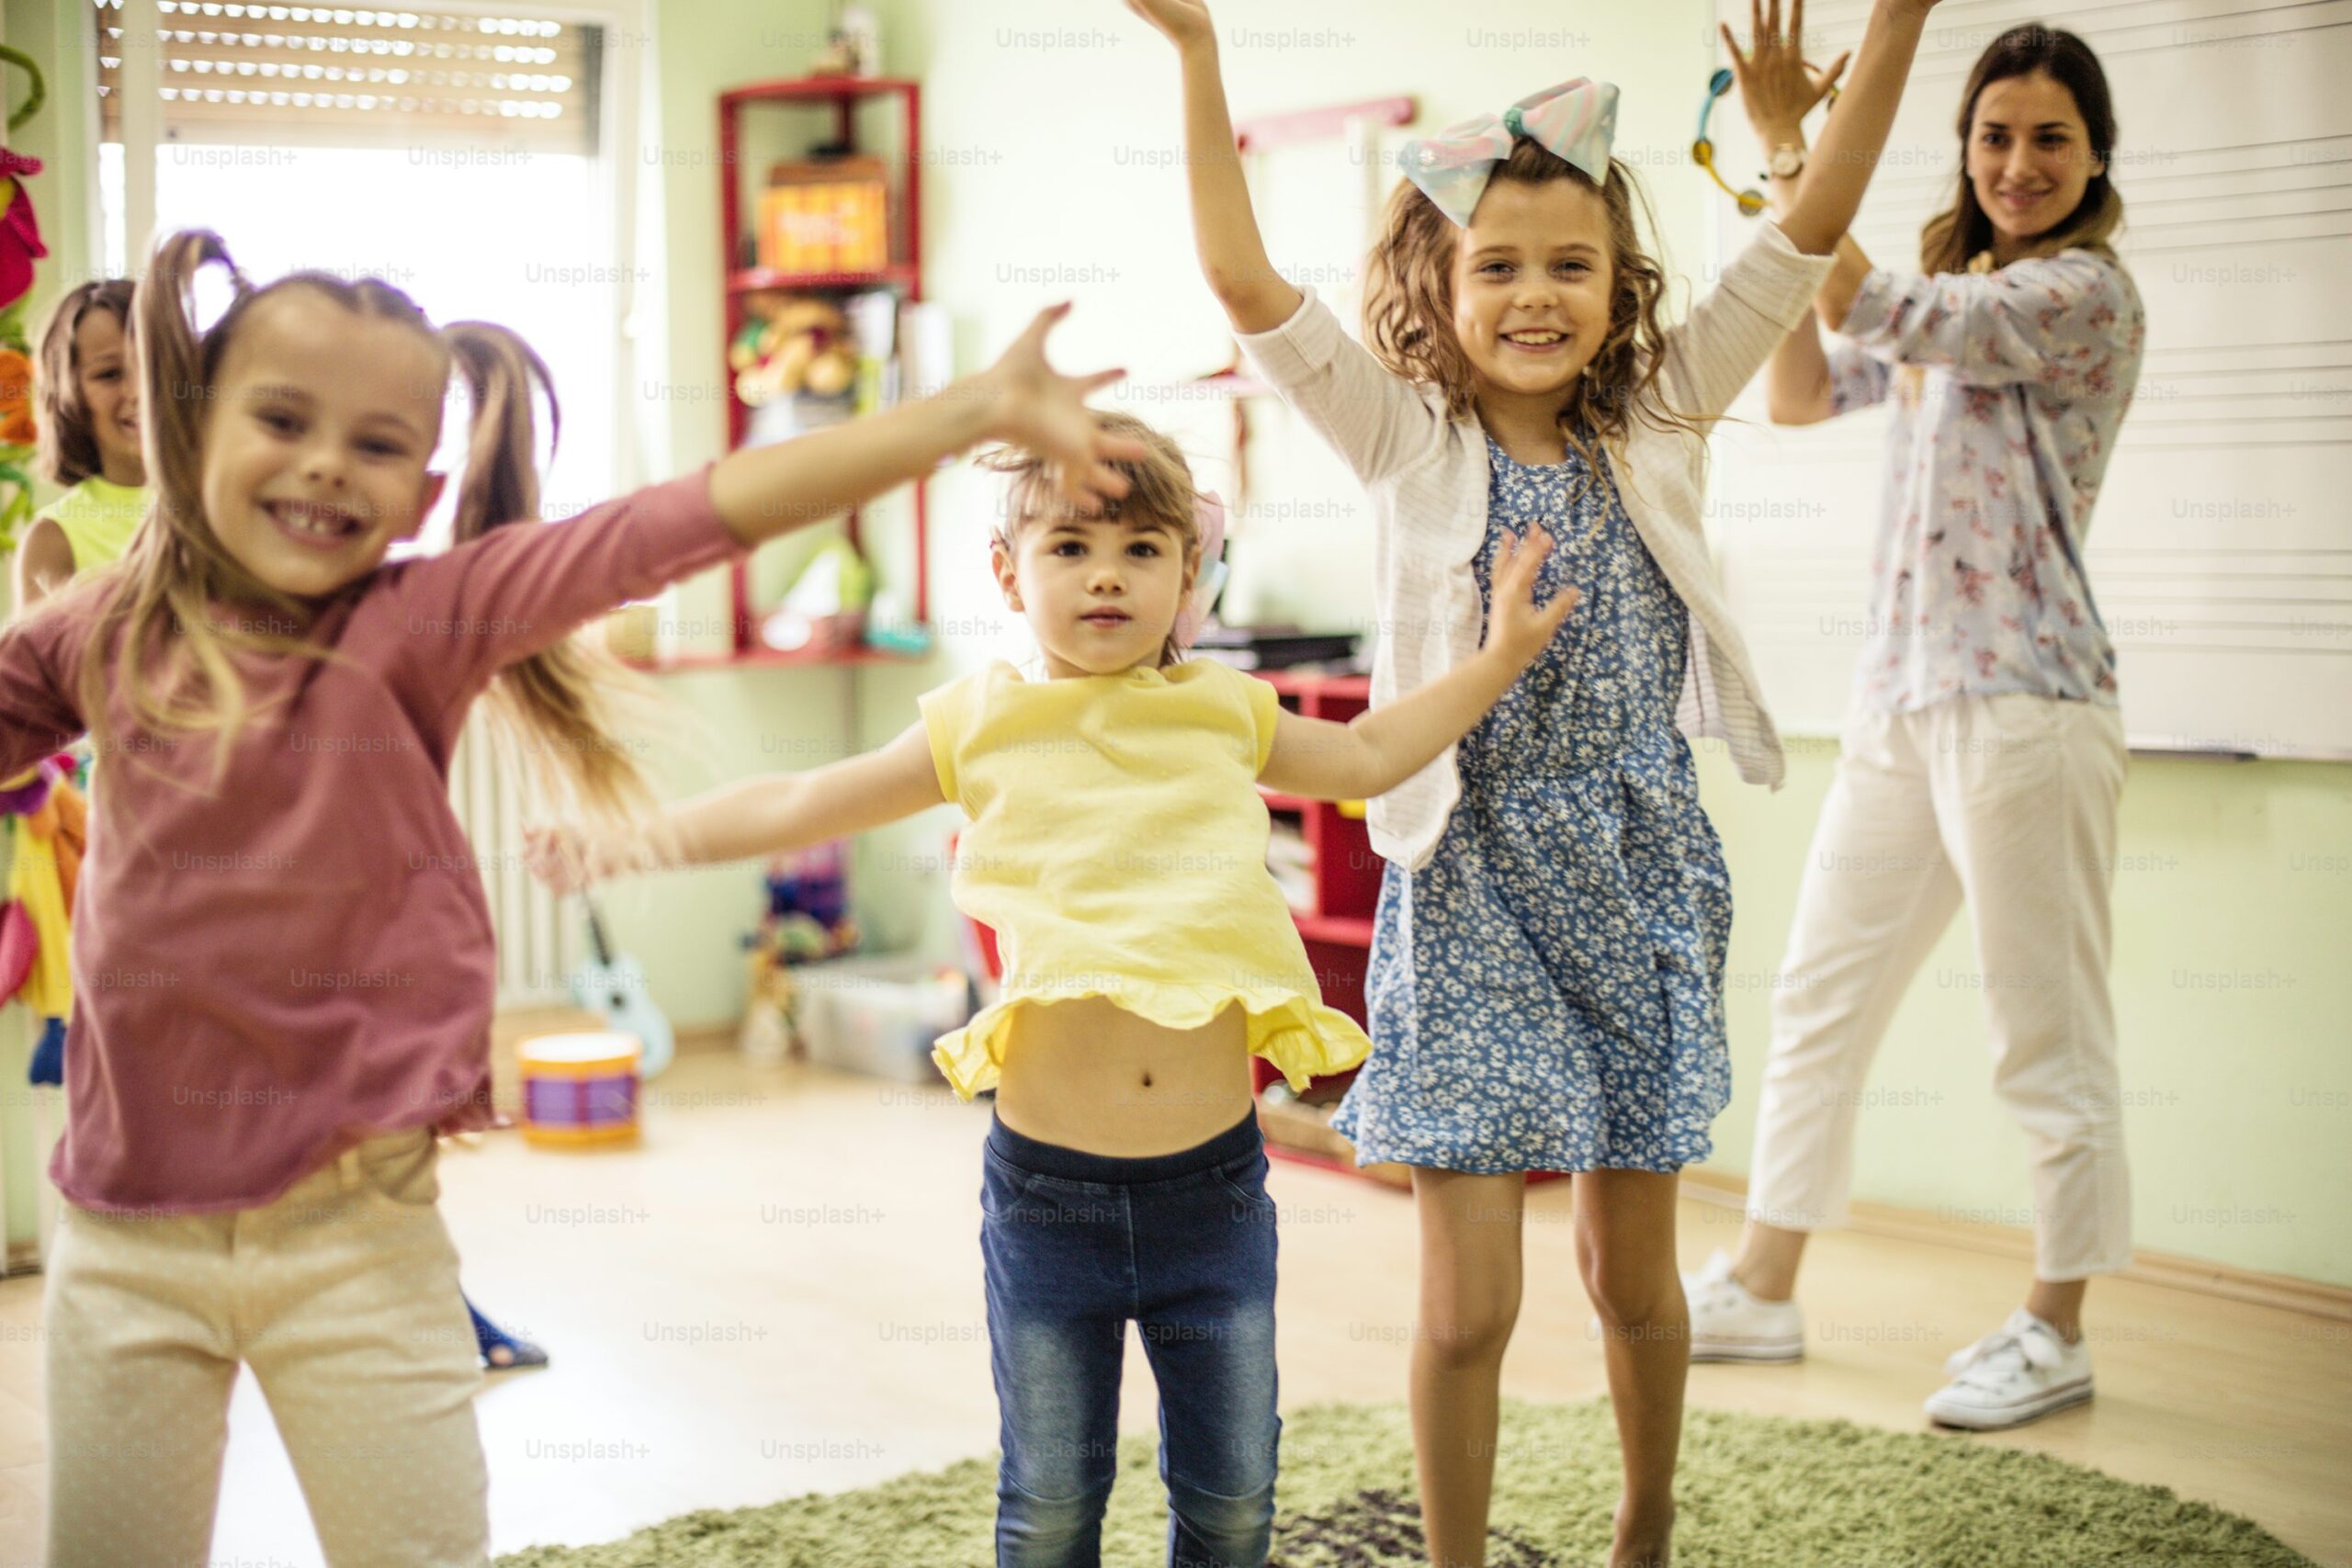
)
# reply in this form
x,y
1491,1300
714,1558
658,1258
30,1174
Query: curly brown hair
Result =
x,y
1408,305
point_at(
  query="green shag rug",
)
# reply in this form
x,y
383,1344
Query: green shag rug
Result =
x,y
1755,1492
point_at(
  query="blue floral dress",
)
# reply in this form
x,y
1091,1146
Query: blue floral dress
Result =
x,y
1546,993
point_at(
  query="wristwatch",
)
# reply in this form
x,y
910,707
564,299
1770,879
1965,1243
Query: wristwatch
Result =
x,y
1788,160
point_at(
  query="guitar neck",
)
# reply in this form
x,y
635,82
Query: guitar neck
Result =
x,y
596,933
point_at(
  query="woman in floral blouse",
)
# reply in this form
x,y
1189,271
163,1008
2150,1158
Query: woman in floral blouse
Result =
x,y
1984,750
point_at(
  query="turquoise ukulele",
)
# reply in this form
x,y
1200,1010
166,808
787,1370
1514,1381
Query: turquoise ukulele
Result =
x,y
612,986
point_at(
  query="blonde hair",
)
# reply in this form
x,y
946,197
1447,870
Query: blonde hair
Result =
x,y
156,645
1409,306
66,449
1162,492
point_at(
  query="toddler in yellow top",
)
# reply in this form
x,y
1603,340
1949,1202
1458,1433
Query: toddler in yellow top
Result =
x,y
1117,847
1132,873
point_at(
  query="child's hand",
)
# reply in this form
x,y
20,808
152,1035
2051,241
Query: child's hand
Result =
x,y
569,857
1185,22
1032,404
1517,627
1777,88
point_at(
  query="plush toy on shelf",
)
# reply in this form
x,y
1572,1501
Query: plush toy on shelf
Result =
x,y
792,346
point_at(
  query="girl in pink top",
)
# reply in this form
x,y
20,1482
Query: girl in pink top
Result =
x,y
283,952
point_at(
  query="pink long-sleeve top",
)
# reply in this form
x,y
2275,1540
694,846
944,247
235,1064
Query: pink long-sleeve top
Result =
x,y
270,969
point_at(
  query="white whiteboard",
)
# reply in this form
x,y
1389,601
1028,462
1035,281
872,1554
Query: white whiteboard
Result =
x,y
2221,549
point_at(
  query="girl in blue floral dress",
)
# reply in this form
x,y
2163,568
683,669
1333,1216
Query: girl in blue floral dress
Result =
x,y
1548,962
1577,882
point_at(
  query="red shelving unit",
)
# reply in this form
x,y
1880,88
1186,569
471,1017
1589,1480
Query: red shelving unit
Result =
x,y
844,96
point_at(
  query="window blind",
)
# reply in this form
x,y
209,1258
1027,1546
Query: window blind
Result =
x,y
446,81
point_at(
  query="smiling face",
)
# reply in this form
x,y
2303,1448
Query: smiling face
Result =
x,y
320,426
110,395
2029,158
1532,280
1099,595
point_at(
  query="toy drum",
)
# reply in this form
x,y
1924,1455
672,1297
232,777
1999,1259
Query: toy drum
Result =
x,y
579,1090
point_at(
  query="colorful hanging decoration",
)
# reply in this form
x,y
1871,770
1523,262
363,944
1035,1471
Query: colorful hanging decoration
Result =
x,y
20,246
48,828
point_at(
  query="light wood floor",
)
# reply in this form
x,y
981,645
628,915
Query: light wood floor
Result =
x,y
779,1292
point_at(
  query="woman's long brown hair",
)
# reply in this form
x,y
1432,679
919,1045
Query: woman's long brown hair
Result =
x,y
1954,237
160,645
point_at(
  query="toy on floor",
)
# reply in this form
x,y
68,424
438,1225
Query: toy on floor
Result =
x,y
579,1090
807,920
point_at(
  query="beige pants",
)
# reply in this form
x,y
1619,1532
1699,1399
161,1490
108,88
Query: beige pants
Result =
x,y
2008,803
342,1296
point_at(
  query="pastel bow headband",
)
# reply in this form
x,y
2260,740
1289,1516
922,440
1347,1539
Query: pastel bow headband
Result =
x,y
1208,516
1575,120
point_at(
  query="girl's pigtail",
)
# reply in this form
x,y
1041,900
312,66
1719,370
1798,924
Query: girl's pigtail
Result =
x,y
556,700
159,598
168,353
499,371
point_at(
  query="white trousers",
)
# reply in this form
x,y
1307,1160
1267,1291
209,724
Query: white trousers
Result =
x,y
2008,803
342,1295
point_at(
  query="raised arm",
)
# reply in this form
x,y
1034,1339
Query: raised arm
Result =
x,y
1380,749
1840,169
1777,89
757,816
1233,257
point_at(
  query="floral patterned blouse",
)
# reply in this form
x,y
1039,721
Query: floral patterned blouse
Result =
x,y
2009,388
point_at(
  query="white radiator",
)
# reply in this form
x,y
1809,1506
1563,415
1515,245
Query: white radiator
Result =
x,y
538,945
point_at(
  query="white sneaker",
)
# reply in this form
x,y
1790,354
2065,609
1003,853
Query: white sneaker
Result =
x,y
1729,1323
2021,1375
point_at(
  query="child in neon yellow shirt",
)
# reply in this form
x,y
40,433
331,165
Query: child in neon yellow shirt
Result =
x,y
87,411
1117,847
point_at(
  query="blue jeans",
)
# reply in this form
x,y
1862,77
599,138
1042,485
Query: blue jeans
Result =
x,y
1077,1246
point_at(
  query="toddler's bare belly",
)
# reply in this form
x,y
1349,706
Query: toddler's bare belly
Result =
x,y
1088,1075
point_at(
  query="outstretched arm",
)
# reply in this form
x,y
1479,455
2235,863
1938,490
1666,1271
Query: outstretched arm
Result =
x,y
762,816
1378,750
1233,257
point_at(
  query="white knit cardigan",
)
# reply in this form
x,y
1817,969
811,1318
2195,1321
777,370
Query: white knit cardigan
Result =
x,y
1426,475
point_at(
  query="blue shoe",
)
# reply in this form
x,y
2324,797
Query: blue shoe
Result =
x,y
501,1351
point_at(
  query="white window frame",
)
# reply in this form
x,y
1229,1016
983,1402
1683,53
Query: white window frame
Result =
x,y
627,69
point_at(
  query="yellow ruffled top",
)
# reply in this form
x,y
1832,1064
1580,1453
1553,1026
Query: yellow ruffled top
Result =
x,y
1117,848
